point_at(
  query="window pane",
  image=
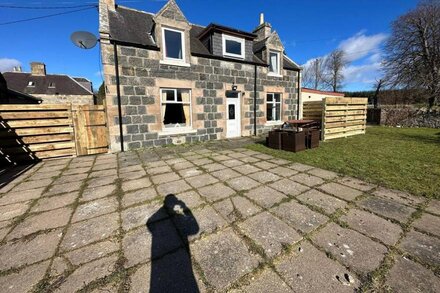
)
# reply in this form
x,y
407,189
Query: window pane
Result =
x,y
183,96
273,62
269,97
277,97
231,110
174,114
269,112
173,44
233,47
167,95
277,112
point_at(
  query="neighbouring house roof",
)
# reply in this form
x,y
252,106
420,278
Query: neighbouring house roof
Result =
x,y
24,97
50,84
313,91
134,27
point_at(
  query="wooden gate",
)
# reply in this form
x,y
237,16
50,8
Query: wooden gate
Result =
x,y
90,129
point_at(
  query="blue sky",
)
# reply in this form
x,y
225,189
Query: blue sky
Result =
x,y
308,28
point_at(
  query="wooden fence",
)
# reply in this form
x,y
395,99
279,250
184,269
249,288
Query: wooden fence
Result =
x,y
33,132
340,117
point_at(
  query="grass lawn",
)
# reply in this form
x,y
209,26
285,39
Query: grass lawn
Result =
x,y
407,159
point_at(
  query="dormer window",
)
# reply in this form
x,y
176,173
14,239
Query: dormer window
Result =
x,y
173,45
51,85
233,47
274,63
31,83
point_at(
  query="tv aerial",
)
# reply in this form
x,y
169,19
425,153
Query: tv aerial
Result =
x,y
84,40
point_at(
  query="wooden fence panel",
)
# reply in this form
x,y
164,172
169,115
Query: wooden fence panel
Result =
x,y
32,132
312,110
91,135
343,117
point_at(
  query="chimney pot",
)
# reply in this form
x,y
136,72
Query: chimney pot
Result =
x,y
261,18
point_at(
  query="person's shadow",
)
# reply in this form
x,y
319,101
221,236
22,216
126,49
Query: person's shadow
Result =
x,y
171,267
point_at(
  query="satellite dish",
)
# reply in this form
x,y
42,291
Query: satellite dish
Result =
x,y
84,40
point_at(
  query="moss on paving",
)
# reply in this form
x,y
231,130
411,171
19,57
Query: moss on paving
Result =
x,y
406,159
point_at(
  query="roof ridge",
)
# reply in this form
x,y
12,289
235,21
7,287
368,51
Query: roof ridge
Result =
x,y
137,10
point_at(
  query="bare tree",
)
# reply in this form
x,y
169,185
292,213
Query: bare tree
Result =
x,y
313,76
378,85
334,64
412,59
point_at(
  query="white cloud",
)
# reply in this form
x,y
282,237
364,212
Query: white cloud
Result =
x,y
7,64
366,50
361,45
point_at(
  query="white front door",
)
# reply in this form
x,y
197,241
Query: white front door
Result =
x,y
233,124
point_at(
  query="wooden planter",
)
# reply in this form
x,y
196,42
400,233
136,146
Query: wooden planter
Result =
x,y
294,141
274,139
312,138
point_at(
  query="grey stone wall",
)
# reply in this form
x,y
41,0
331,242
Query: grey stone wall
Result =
x,y
63,99
140,69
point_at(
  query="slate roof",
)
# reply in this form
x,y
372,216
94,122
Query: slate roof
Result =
x,y
64,84
135,27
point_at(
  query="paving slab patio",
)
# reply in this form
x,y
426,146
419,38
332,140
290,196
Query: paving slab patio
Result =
x,y
214,217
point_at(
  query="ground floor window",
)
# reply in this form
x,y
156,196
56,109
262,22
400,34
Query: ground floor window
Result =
x,y
176,107
273,107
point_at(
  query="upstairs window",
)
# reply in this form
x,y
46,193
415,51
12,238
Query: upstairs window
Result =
x,y
176,108
273,107
51,85
31,83
274,63
173,43
233,46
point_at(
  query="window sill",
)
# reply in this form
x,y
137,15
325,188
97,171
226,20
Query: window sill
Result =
x,y
175,63
274,74
177,131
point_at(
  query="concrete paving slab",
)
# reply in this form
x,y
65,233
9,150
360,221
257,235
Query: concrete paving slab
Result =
x,y
373,226
329,204
216,192
246,169
407,276
340,191
152,242
242,183
299,216
224,258
92,193
139,215
422,246
92,252
213,167
138,196
289,187
26,185
136,184
28,251
328,175
185,173
132,175
232,163
174,187
38,222
24,280
21,196
64,188
101,181
71,178
266,281
283,171
236,208
398,196
387,208
159,170
225,174
307,179
300,167
166,177
428,223
309,270
270,233
434,207
95,208
11,211
356,183
351,248
265,196
88,273
201,180
86,232
191,199
264,177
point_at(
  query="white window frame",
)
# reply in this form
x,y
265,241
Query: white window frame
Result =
x,y
31,84
176,129
169,59
235,39
274,103
279,63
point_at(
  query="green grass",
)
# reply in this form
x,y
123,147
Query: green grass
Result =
x,y
406,159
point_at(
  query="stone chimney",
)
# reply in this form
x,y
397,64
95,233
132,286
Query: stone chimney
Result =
x,y
17,69
263,30
38,68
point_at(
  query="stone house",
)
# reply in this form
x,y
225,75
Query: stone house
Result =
x,y
170,81
51,88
